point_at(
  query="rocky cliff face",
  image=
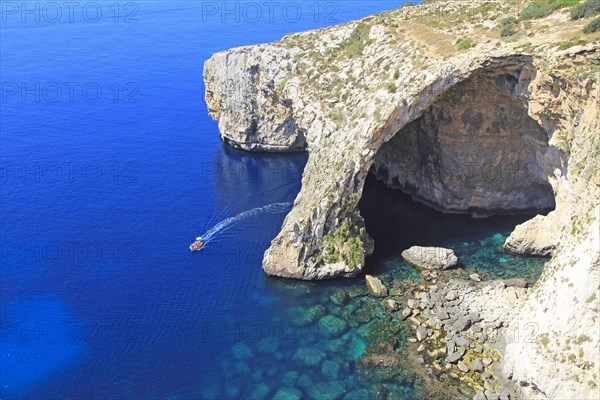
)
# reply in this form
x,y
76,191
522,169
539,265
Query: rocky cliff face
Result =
x,y
505,125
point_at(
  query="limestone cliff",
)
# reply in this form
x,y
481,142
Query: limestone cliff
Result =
x,y
434,101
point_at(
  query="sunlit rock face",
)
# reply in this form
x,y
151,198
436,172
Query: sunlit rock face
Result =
x,y
474,150
505,125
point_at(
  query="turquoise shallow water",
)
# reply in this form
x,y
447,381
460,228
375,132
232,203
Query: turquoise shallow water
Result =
x,y
101,298
330,338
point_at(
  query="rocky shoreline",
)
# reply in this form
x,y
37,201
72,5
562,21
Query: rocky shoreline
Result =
x,y
456,319
462,117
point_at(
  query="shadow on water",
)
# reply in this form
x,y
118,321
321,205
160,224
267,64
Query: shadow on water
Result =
x,y
396,222
263,177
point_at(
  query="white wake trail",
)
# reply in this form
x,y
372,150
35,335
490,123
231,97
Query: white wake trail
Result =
x,y
271,208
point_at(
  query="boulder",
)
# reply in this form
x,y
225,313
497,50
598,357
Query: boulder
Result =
x,y
391,305
413,303
511,294
536,236
476,365
475,277
491,395
451,295
375,286
457,355
462,366
430,258
516,282
442,314
479,396
406,313
421,333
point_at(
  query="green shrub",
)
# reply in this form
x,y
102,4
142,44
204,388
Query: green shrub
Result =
x,y
392,87
586,9
358,40
567,45
465,44
336,117
508,29
282,84
593,26
543,8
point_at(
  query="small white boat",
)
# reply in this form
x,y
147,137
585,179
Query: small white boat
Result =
x,y
196,246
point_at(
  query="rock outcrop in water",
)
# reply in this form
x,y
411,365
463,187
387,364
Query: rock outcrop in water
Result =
x,y
430,257
436,103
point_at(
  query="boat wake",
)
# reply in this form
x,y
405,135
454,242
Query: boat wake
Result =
x,y
271,209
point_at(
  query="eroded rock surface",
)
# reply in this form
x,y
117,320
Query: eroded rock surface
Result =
x,y
375,286
359,95
430,257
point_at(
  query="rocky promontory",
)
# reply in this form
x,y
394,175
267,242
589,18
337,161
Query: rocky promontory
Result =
x,y
469,110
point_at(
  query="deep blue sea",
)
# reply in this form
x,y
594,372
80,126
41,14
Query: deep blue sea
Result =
x,y
111,166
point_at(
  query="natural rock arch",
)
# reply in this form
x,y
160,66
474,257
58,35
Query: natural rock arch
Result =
x,y
474,150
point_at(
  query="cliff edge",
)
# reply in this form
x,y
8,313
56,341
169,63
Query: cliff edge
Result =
x,y
444,102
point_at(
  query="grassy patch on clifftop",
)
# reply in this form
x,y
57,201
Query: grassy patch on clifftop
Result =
x,y
358,40
543,8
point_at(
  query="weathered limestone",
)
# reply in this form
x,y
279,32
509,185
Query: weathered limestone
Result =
x,y
359,95
430,257
535,237
375,286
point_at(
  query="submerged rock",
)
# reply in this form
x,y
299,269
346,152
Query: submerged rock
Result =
x,y
309,356
380,361
330,369
303,317
430,258
375,286
268,345
340,297
331,326
290,378
391,305
360,394
260,392
332,390
241,351
287,393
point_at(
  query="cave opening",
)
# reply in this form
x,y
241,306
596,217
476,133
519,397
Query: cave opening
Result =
x,y
475,152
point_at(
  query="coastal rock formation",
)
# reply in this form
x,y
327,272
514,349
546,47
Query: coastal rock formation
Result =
x,y
491,126
430,257
375,286
534,237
